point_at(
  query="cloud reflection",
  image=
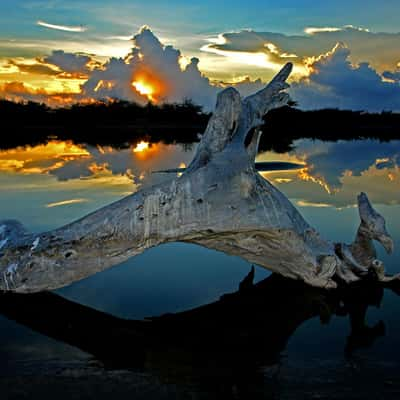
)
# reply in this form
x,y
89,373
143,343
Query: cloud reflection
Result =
x,y
336,172
66,160
333,174
66,202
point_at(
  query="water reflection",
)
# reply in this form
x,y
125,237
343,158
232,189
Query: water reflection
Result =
x,y
232,342
233,348
317,173
77,178
335,172
66,160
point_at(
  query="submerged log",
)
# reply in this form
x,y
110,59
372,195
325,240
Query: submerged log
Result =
x,y
220,202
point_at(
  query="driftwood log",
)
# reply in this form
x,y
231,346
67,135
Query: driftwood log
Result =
x,y
220,202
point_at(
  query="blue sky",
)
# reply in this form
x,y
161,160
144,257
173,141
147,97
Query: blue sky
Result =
x,y
17,18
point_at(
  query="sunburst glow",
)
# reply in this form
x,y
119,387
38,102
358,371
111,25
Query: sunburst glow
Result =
x,y
141,147
144,89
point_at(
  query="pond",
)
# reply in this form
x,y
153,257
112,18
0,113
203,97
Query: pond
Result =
x,y
317,352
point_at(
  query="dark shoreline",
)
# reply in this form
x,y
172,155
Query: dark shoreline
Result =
x,y
121,124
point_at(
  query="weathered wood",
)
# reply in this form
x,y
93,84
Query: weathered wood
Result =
x,y
219,202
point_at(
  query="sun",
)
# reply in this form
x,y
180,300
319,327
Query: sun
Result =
x,y
141,147
144,88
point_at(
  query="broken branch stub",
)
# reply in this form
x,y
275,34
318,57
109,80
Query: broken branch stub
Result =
x,y
219,202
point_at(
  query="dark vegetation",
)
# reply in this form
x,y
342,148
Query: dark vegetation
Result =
x,y
118,124
122,123
284,125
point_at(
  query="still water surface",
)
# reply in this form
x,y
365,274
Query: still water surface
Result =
x,y
49,185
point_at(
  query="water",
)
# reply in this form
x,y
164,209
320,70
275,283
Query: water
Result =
x,y
290,353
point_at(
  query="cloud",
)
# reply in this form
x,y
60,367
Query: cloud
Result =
x,y
162,70
37,68
248,47
312,30
123,38
69,62
65,28
59,64
245,85
380,49
335,83
149,71
16,88
153,71
155,67
21,91
100,46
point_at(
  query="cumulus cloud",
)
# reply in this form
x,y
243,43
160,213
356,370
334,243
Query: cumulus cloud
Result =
x,y
162,70
150,71
154,66
245,85
160,73
69,62
336,83
381,50
259,53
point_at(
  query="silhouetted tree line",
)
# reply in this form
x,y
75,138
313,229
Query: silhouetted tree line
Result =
x,y
120,123
114,123
284,125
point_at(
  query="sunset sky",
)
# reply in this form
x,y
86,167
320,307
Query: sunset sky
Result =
x,y
345,53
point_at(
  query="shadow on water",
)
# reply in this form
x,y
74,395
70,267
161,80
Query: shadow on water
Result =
x,y
229,345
